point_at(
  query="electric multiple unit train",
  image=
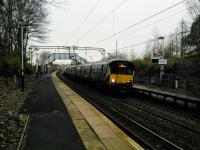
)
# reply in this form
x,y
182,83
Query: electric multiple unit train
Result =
x,y
115,73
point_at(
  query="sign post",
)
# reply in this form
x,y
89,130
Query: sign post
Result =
x,y
162,63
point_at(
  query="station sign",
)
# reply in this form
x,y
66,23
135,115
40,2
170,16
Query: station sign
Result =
x,y
162,61
156,59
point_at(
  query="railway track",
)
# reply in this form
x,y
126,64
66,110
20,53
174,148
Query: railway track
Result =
x,y
167,126
188,123
185,121
145,136
192,115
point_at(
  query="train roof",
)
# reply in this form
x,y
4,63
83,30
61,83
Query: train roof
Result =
x,y
100,62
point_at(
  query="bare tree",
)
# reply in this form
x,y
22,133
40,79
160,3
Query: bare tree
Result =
x,y
44,55
193,38
133,55
182,31
193,8
148,53
153,47
169,46
119,54
34,15
157,48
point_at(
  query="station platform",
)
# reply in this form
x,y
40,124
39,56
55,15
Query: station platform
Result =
x,y
95,129
62,119
165,90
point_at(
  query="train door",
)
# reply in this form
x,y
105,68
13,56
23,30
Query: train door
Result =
x,y
105,71
101,75
90,72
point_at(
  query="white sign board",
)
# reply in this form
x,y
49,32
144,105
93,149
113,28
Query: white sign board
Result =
x,y
162,61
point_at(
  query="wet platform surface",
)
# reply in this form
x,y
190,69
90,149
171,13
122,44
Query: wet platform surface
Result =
x,y
50,125
61,119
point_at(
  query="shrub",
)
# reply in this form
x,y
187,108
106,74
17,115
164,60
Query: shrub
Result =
x,y
141,66
147,68
29,69
11,65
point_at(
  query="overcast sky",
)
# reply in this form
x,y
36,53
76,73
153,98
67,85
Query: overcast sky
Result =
x,y
66,20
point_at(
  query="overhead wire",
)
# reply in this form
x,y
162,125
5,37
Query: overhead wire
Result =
x,y
101,21
151,40
85,19
154,23
168,17
130,33
139,22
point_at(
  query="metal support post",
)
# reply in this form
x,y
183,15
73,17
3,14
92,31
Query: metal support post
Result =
x,y
104,55
162,67
69,53
116,50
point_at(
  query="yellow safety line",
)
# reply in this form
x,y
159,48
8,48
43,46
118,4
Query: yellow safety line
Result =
x,y
116,129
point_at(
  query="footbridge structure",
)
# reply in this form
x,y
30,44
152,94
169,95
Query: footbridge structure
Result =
x,y
75,58
70,54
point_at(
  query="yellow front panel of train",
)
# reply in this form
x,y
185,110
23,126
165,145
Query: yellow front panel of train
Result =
x,y
120,79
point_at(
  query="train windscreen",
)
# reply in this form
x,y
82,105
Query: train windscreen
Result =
x,y
121,67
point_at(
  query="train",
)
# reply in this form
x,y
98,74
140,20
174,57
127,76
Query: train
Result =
x,y
116,73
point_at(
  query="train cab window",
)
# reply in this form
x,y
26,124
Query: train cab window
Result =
x,y
121,67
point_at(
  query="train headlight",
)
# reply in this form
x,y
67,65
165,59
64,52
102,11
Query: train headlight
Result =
x,y
128,81
113,80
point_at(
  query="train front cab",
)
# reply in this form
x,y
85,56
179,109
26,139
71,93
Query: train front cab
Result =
x,y
121,75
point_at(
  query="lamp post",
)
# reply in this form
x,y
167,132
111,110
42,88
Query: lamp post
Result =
x,y
22,24
109,55
91,58
116,49
22,55
104,54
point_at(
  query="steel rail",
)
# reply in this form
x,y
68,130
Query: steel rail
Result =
x,y
188,116
165,118
143,127
144,143
126,117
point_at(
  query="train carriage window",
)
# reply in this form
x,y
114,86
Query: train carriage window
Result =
x,y
105,68
100,71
